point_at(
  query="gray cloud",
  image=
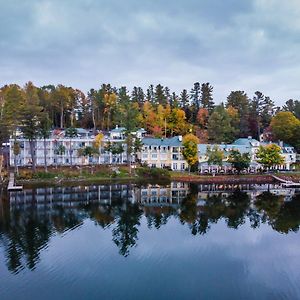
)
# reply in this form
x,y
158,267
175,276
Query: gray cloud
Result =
x,y
249,45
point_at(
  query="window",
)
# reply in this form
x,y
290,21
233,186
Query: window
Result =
x,y
175,157
145,156
174,166
154,156
182,166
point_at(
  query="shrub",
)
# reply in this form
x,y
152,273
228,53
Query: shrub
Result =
x,y
43,175
154,173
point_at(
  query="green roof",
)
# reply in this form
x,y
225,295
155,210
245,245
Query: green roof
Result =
x,y
174,141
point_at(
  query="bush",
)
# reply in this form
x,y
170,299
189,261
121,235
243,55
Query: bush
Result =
x,y
43,175
154,173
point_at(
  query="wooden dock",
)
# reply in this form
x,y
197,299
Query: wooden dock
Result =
x,y
11,184
286,183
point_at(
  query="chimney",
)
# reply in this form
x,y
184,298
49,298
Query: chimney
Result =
x,y
180,138
249,137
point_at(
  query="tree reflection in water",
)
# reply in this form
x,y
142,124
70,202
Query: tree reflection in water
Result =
x,y
27,229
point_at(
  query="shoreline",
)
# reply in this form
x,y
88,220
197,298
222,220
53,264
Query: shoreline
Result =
x,y
206,179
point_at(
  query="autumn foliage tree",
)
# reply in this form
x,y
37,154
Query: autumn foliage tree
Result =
x,y
190,150
284,126
269,156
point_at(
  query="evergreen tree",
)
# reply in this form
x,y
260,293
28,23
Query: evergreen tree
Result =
x,y
44,132
160,97
239,100
150,94
254,115
293,106
31,118
206,97
267,111
174,102
195,95
168,95
128,111
219,126
184,99
138,95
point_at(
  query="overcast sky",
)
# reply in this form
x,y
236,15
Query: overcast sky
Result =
x,y
233,44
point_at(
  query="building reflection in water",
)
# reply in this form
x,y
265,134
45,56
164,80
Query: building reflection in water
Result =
x,y
29,219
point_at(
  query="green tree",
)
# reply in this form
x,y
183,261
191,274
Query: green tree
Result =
x,y
71,133
16,151
159,95
60,150
215,155
88,151
137,147
266,111
138,95
238,160
190,149
206,97
292,106
114,148
195,95
269,156
239,100
44,132
129,140
219,126
184,99
128,111
31,119
13,99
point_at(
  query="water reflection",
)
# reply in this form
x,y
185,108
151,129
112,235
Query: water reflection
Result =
x,y
30,218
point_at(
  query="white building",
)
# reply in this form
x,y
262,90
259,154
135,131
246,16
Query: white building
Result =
x,y
64,151
244,145
163,153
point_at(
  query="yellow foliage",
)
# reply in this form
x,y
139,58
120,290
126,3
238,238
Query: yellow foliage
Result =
x,y
98,139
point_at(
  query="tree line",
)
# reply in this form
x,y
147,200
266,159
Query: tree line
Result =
x,y
160,111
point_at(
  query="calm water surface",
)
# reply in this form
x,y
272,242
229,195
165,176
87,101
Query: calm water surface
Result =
x,y
150,242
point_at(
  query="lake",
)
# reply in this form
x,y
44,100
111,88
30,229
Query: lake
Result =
x,y
179,241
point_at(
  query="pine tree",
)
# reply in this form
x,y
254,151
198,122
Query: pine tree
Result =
x,y
31,119
239,100
184,99
195,95
219,126
206,97
159,95
138,95
150,94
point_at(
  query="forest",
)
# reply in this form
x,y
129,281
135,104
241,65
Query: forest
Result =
x,y
162,112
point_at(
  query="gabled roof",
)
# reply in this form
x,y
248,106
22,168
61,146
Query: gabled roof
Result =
x,y
174,141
